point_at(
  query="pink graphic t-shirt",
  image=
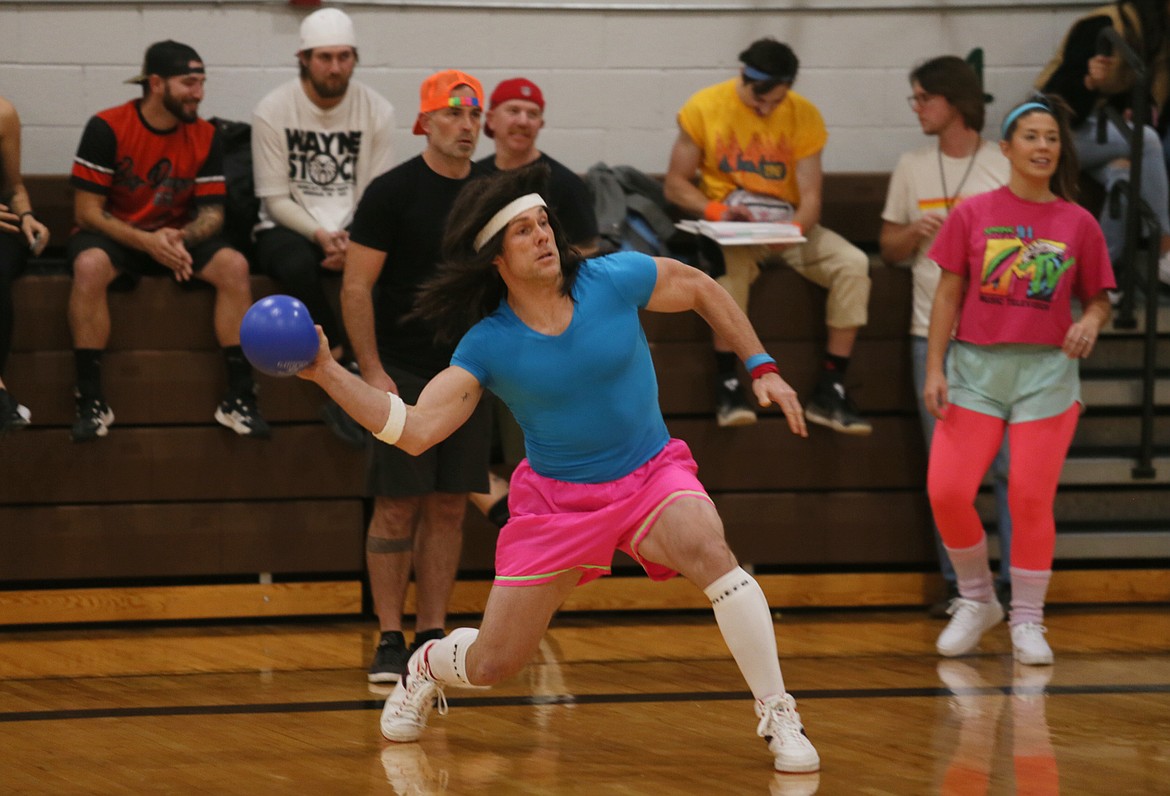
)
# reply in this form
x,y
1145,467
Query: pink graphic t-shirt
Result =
x,y
1023,262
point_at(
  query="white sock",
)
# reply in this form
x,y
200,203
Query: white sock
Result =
x,y
1029,588
447,657
745,620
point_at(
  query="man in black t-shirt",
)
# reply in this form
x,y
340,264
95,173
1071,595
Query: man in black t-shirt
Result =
x,y
394,246
514,119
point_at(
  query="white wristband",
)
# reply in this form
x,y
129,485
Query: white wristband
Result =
x,y
395,422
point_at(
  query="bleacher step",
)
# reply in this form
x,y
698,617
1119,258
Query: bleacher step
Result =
x,y
1102,470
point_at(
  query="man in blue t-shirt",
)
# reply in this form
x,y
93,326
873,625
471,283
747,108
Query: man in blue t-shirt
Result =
x,y
559,340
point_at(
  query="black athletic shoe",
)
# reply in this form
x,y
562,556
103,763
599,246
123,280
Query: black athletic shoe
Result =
x,y
344,427
831,407
94,418
423,636
389,658
239,413
13,416
731,408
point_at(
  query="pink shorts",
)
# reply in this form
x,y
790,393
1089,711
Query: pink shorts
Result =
x,y
557,526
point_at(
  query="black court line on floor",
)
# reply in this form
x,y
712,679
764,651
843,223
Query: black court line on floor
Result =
x,y
563,699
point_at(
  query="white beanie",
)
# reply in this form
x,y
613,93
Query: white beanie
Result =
x,y
327,27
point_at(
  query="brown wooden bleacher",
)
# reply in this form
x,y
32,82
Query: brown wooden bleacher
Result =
x,y
172,500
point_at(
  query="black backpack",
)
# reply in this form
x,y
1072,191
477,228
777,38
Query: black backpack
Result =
x,y
241,207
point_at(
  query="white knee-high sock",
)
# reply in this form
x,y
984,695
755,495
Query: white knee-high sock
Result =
x,y
744,619
447,657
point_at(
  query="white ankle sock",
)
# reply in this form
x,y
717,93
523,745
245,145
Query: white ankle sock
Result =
x,y
447,657
745,620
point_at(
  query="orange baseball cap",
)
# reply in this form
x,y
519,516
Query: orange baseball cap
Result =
x,y
436,93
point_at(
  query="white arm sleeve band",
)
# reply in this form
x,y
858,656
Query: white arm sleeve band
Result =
x,y
395,422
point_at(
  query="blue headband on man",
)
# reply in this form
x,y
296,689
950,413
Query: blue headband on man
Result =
x,y
751,73
1019,111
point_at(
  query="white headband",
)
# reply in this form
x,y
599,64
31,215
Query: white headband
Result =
x,y
506,214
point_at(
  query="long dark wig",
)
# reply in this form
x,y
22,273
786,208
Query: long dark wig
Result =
x,y
467,286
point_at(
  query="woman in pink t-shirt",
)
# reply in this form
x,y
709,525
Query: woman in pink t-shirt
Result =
x,y
1012,260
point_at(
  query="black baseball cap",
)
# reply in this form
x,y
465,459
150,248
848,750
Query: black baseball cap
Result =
x,y
169,59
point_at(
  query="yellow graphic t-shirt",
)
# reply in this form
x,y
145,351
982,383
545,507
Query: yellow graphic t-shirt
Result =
x,y
744,150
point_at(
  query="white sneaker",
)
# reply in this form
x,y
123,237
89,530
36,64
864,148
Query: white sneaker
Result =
x,y
405,714
410,773
969,621
780,726
968,688
794,784
1029,646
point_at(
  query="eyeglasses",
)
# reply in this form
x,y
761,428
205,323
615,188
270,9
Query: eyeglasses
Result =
x,y
916,101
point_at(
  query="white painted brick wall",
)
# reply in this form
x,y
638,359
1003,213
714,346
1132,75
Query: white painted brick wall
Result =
x,y
613,80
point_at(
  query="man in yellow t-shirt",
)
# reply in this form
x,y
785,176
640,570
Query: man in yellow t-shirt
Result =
x,y
756,147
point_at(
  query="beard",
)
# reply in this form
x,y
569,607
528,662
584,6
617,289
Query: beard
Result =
x,y
330,88
177,109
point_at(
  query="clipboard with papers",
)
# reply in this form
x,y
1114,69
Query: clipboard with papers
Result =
x,y
742,233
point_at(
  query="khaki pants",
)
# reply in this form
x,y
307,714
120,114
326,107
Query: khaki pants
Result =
x,y
825,259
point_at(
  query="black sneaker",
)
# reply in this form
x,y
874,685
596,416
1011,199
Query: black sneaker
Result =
x,y
423,636
94,418
239,413
731,408
389,658
13,416
831,407
344,427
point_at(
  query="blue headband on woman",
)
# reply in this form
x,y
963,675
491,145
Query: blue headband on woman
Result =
x,y
1020,111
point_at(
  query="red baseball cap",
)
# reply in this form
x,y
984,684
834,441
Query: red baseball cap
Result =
x,y
516,88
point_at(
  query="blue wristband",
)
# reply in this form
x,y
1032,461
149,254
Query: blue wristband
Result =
x,y
755,360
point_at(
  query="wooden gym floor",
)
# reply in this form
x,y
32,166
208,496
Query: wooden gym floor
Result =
x,y
616,704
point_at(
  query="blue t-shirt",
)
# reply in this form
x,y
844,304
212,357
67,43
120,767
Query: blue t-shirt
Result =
x,y
587,399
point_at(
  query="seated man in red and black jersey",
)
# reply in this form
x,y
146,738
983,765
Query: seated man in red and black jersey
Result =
x,y
149,200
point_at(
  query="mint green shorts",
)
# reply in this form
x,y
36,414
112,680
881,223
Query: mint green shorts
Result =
x,y
1015,382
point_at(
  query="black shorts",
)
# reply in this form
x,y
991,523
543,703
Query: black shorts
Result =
x,y
132,264
457,464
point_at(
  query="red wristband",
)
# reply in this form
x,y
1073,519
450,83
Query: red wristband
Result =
x,y
766,367
714,211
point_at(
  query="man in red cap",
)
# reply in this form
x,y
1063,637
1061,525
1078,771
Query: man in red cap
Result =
x,y
394,246
148,199
514,119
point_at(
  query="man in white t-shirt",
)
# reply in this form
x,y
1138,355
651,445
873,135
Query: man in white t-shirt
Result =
x,y
317,142
947,95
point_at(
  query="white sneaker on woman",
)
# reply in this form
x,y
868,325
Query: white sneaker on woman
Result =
x,y
1029,646
970,619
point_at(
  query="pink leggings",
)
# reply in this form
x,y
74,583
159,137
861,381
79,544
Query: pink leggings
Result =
x,y
962,449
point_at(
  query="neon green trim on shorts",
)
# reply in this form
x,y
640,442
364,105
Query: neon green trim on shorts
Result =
x,y
652,517
522,578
